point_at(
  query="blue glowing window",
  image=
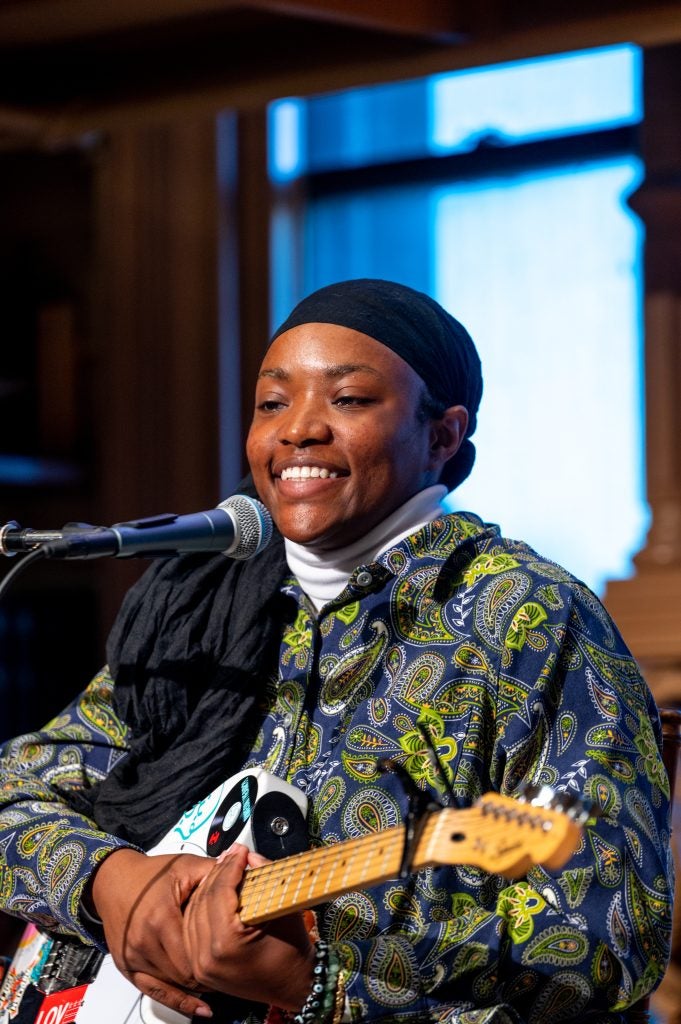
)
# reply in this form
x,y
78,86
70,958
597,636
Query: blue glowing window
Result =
x,y
542,263
530,100
451,113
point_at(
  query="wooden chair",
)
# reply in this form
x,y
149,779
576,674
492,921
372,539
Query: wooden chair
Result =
x,y
671,746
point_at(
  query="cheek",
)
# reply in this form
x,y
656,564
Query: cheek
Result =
x,y
394,452
251,454
378,467
256,439
257,455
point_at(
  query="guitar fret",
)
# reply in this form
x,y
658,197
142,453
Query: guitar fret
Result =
x,y
313,871
296,895
282,886
331,873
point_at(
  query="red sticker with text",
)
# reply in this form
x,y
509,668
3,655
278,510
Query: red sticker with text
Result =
x,y
61,1007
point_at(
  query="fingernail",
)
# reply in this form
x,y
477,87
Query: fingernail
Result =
x,y
203,1011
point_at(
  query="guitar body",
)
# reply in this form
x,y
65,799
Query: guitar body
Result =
x,y
52,981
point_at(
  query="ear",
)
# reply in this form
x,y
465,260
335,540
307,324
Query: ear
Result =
x,y
447,435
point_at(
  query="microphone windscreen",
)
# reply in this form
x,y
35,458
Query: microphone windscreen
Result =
x,y
253,525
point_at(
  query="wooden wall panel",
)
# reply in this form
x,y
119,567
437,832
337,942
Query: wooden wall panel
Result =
x,y
156,327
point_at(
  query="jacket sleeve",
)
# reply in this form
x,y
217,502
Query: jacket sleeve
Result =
x,y
48,848
571,712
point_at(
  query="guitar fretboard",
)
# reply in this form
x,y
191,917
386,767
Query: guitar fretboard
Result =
x,y
310,878
498,834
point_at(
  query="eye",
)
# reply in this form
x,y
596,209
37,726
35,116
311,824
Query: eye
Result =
x,y
270,405
345,401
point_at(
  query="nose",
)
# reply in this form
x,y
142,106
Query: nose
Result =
x,y
304,424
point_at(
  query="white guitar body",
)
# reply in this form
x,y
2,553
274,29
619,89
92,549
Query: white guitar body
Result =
x,y
254,808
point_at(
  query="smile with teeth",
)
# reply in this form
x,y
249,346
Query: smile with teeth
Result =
x,y
308,473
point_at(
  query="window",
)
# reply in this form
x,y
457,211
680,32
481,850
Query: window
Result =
x,y
501,192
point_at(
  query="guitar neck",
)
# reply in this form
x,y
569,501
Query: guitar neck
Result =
x,y
497,834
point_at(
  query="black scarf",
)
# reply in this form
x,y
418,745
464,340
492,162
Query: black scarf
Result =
x,y
193,645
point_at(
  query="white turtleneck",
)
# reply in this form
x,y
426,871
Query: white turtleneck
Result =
x,y
324,574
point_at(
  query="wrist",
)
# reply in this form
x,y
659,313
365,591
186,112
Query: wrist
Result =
x,y
303,984
325,1001
103,880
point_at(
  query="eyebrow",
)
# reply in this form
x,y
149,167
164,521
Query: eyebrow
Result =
x,y
332,372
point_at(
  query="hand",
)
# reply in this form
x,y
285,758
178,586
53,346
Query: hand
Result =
x,y
269,963
140,901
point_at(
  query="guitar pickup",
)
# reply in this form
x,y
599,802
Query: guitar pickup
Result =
x,y
68,965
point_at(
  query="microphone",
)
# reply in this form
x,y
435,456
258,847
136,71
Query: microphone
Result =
x,y
239,527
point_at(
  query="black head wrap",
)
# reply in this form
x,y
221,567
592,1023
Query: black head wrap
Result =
x,y
417,329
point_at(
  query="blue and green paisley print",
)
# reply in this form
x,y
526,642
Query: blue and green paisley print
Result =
x,y
477,666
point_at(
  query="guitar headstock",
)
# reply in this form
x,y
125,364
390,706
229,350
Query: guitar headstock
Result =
x,y
506,835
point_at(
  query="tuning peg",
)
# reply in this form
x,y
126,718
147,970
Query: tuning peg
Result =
x,y
567,803
537,795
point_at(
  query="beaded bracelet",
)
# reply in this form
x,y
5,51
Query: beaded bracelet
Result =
x,y
321,1004
326,1002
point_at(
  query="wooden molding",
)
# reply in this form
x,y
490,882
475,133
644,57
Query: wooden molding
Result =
x,y
39,21
117,64
647,610
663,429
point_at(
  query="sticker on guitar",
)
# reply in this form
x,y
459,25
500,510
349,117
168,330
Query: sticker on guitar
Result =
x,y
497,834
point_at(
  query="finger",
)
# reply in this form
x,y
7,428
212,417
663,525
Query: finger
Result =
x,y
180,970
212,928
226,875
162,955
256,860
190,873
171,996
234,864
157,947
235,850
163,923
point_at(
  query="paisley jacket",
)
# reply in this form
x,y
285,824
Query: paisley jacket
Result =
x,y
477,666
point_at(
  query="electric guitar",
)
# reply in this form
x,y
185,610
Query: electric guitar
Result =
x,y
53,981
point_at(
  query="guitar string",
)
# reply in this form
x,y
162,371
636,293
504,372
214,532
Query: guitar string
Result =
x,y
267,880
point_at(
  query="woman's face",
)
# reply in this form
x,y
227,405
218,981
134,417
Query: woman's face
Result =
x,y
336,443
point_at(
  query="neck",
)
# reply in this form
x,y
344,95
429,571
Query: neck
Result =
x,y
324,574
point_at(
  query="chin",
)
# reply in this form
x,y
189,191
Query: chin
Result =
x,y
295,525
310,537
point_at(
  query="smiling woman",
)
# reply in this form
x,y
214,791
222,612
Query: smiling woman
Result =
x,y
335,449
502,191
340,435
